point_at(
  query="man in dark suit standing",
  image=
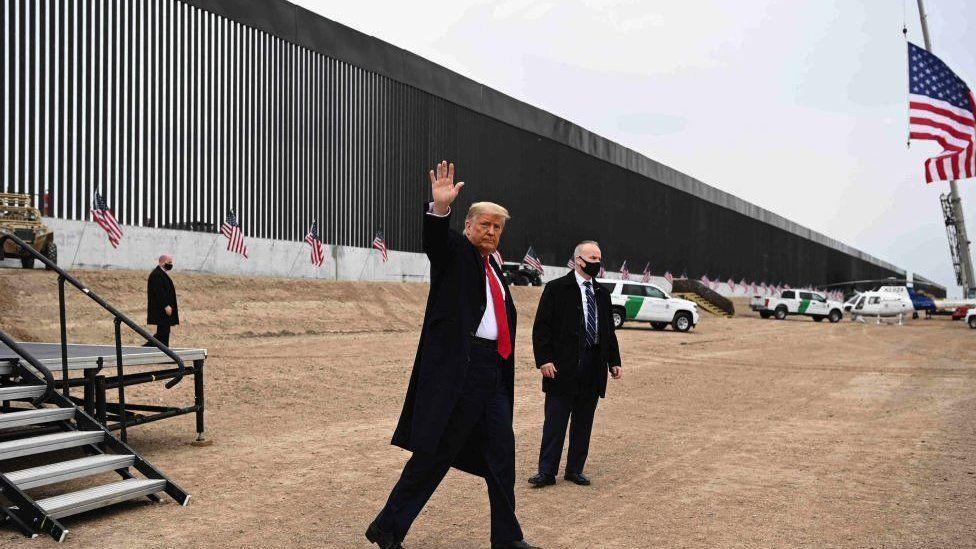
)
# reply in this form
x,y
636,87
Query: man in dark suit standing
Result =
x,y
162,310
458,408
575,346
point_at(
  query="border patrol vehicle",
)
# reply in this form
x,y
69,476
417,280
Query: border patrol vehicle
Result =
x,y
646,302
799,302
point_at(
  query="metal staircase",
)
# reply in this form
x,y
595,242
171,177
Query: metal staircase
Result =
x,y
703,304
67,444
45,439
707,299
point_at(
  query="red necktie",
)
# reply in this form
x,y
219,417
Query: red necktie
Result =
x,y
501,314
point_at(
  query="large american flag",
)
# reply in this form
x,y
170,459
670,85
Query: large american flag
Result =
x,y
380,244
532,260
318,257
647,273
624,272
103,216
235,238
940,109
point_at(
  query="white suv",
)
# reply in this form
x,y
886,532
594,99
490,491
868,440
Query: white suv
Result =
x,y
645,302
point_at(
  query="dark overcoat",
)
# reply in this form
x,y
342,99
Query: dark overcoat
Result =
x,y
160,293
455,305
558,333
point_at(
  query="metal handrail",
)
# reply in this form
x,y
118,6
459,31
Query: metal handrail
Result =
x,y
16,348
119,317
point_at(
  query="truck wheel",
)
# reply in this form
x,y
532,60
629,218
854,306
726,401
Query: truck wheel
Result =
x,y
972,322
51,253
835,316
520,280
765,314
659,325
681,322
27,262
780,313
619,315
914,315
818,318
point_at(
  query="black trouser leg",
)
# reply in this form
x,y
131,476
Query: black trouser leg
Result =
x,y
423,472
162,333
584,408
558,409
500,457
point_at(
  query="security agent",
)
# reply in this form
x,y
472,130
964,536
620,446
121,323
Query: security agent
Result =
x,y
575,346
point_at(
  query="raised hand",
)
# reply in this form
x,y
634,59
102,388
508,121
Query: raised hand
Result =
x,y
442,187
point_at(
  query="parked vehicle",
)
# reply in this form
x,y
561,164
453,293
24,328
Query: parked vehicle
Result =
x,y
971,319
18,216
646,302
520,274
801,302
961,313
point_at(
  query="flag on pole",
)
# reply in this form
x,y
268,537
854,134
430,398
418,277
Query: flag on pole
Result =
x,y
705,281
731,284
647,273
235,237
602,273
532,260
380,244
571,264
624,273
318,257
103,216
669,277
941,109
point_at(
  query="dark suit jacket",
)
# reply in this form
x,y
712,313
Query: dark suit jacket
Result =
x,y
455,305
558,334
161,292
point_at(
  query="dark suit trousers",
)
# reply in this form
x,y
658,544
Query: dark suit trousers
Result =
x,y
162,333
484,402
578,405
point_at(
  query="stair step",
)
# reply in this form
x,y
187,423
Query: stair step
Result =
x,y
34,417
99,496
17,392
48,443
26,479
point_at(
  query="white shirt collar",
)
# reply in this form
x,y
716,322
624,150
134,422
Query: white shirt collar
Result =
x,y
580,280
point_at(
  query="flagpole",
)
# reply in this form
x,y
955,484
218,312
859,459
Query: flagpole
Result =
x,y
292,268
78,247
962,239
209,250
368,256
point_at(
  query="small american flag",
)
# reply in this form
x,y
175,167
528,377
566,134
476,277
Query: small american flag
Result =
x,y
941,109
103,216
380,244
731,284
571,264
647,273
705,281
669,277
624,273
235,238
318,257
532,260
602,273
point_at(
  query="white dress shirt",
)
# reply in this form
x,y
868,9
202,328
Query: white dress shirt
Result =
x,y
488,328
596,321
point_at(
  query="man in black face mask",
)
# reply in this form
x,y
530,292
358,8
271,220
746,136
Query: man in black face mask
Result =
x,y
575,346
162,309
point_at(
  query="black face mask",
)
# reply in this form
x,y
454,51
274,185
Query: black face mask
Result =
x,y
168,266
591,269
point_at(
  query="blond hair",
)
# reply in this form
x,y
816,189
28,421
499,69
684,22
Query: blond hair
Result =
x,y
486,208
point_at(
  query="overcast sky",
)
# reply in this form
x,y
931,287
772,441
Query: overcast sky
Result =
x,y
798,107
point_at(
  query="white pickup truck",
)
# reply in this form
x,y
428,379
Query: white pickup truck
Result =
x,y
645,302
798,302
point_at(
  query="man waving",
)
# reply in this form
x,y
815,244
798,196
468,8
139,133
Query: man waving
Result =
x,y
458,408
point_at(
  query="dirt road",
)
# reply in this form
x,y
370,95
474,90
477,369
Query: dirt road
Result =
x,y
742,433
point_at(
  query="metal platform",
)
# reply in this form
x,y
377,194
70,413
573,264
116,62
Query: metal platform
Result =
x,y
82,357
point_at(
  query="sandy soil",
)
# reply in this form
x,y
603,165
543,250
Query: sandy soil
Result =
x,y
743,433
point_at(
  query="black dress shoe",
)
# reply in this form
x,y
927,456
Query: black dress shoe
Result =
x,y
520,544
386,540
542,479
577,478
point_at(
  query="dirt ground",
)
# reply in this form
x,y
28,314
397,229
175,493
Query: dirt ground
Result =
x,y
742,433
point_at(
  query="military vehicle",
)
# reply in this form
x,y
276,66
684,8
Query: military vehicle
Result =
x,y
19,217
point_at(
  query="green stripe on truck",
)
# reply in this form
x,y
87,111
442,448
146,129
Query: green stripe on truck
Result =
x,y
633,306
